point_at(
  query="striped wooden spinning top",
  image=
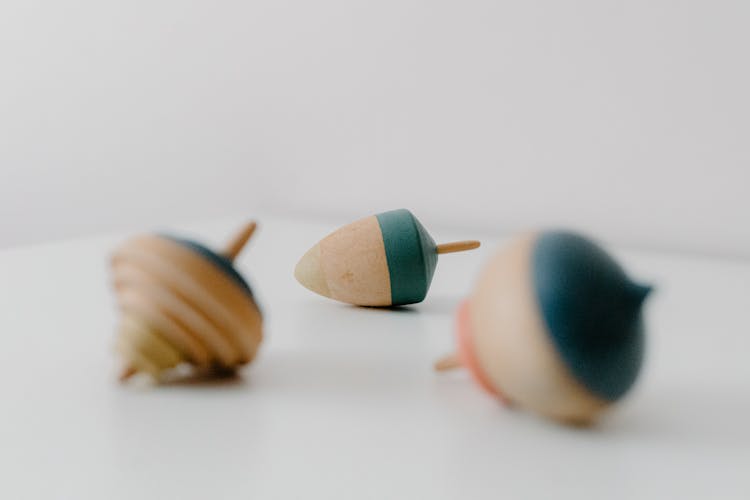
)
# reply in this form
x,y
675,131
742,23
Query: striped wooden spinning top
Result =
x,y
182,303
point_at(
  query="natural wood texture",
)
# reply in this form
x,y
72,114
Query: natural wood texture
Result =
x,y
310,273
235,246
466,351
383,260
448,362
354,264
145,350
178,307
127,372
513,346
457,246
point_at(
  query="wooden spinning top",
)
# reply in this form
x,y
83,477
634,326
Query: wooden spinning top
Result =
x,y
382,260
183,303
554,326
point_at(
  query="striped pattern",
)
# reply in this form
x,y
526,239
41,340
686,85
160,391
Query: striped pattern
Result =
x,y
179,306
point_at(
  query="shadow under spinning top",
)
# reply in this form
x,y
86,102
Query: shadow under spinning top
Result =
x,y
182,303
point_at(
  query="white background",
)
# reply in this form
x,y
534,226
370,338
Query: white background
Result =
x,y
626,119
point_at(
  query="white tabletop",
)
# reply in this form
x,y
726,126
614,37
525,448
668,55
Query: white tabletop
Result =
x,y
343,403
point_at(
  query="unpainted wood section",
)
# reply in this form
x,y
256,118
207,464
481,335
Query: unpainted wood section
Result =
x,y
512,343
145,350
448,362
210,289
174,306
159,288
238,242
191,297
310,273
137,304
354,264
135,361
151,345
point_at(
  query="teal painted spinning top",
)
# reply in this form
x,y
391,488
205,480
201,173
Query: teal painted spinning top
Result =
x,y
383,260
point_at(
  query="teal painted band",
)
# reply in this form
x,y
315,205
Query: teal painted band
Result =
x,y
592,312
411,255
221,262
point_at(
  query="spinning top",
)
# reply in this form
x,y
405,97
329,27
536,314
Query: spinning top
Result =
x,y
382,260
554,326
183,303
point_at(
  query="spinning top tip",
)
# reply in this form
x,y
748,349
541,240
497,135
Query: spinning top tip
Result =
x,y
127,372
448,362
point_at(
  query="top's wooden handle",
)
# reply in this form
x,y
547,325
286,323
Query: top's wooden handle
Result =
x,y
127,372
449,362
235,246
458,246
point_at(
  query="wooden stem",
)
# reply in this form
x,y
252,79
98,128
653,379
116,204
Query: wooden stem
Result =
x,y
458,246
235,246
449,362
127,372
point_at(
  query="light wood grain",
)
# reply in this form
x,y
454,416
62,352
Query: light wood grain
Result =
x,y
354,264
309,272
457,246
448,362
178,298
236,244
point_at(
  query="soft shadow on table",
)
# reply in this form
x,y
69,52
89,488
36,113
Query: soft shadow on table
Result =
x,y
334,374
702,416
187,378
433,304
440,304
410,309
683,416
342,324
221,381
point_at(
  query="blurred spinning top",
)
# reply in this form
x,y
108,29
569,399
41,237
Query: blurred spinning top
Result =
x,y
182,303
382,260
553,326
